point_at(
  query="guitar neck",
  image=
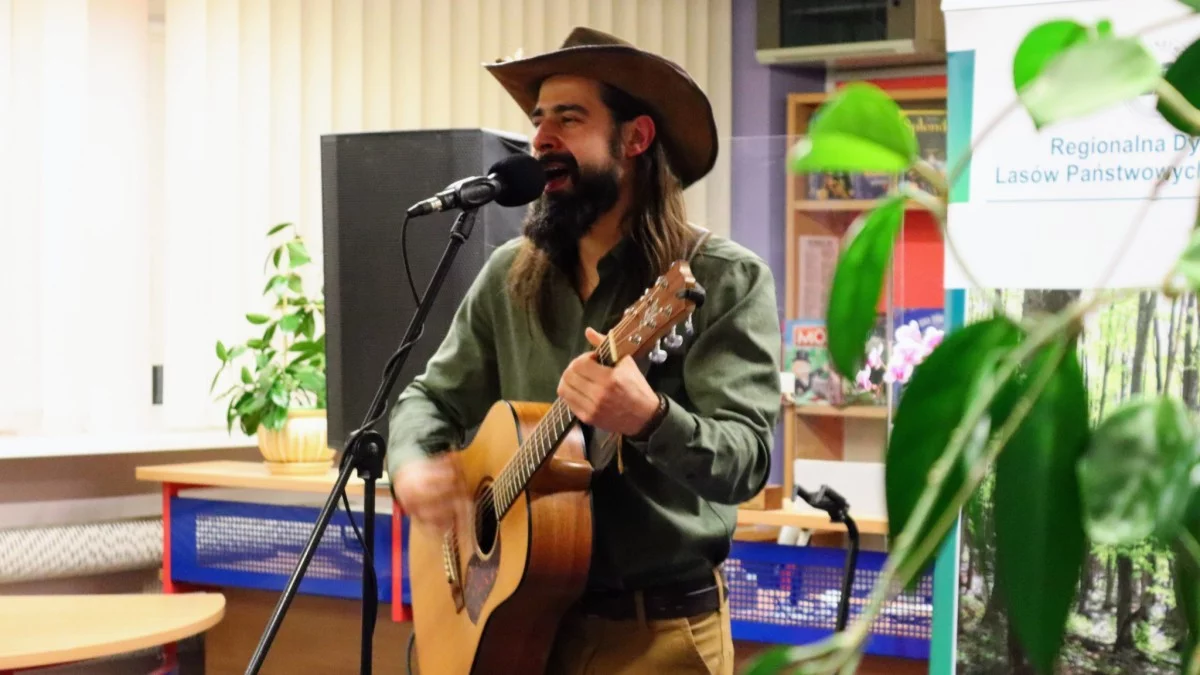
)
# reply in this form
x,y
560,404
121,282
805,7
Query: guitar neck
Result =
x,y
538,447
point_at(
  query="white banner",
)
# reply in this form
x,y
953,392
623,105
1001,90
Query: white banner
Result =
x,y
1054,208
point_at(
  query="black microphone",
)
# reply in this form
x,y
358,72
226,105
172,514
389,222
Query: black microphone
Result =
x,y
515,180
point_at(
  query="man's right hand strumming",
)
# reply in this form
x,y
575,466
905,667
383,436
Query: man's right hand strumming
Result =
x,y
432,491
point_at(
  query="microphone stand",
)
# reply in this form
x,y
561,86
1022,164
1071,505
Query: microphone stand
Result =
x,y
828,500
363,453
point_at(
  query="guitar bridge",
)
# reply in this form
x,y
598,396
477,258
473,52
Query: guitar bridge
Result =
x,y
451,564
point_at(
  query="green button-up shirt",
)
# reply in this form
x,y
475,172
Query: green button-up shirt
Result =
x,y
670,515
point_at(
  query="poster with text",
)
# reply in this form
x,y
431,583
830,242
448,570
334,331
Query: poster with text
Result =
x,y
1040,217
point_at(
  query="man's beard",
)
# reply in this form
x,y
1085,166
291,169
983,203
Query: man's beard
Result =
x,y
557,221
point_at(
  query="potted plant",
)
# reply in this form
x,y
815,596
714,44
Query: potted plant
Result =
x,y
279,395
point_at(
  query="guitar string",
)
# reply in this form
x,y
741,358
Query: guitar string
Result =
x,y
539,439
536,441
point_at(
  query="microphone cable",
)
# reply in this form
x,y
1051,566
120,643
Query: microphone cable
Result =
x,y
387,370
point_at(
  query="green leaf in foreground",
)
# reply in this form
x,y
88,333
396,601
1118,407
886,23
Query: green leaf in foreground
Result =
x,y
859,129
1089,77
1184,75
771,662
1188,265
1187,584
1135,477
1040,540
1042,45
1194,4
931,408
858,283
277,228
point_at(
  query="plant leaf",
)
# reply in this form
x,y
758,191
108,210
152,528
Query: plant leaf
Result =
x,y
1042,45
297,253
1089,77
933,406
1194,4
277,228
1135,477
277,281
1187,582
246,378
1184,75
279,394
222,353
1040,540
275,417
290,323
859,129
296,283
771,661
1188,265
257,319
858,283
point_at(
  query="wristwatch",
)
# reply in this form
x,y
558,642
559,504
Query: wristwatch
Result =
x,y
655,420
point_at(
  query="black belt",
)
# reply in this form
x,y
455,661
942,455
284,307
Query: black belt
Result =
x,y
672,601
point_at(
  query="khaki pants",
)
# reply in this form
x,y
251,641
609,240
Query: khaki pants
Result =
x,y
700,645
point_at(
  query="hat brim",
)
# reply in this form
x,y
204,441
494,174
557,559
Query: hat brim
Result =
x,y
687,127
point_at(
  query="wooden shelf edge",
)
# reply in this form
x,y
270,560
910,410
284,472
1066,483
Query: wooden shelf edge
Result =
x,y
868,412
915,94
808,521
847,205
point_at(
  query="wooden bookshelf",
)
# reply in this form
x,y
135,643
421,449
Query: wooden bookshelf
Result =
x,y
823,431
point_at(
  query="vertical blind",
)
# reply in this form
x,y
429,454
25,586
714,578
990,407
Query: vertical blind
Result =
x,y
146,146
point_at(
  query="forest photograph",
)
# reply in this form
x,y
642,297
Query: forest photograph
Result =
x,y
1124,617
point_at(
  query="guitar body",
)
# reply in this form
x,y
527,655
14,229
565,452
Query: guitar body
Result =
x,y
516,578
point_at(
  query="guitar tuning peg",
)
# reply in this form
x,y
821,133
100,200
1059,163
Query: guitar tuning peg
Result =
x,y
657,355
687,326
673,340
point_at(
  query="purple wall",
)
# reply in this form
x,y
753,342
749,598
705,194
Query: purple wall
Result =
x,y
757,153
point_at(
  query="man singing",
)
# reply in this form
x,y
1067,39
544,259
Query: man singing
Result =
x,y
621,133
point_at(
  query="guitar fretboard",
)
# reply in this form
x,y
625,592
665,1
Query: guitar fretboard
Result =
x,y
538,446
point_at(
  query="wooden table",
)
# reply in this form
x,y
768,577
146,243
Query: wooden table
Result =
x,y
43,630
255,475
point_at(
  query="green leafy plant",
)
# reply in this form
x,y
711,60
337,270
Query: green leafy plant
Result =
x,y
284,366
1007,397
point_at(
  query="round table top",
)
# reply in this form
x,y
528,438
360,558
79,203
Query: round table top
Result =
x,y
39,630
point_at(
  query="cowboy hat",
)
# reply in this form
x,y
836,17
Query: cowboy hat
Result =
x,y
682,112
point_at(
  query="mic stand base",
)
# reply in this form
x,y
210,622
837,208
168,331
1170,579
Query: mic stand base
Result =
x,y
363,455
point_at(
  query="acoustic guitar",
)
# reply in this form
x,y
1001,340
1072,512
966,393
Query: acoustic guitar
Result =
x,y
489,593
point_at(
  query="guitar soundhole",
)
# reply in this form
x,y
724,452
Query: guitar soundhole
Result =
x,y
485,524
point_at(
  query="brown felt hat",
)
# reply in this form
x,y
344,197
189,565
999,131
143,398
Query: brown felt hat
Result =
x,y
686,125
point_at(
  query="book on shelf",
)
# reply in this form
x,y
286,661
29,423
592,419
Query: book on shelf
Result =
x,y
806,357
929,125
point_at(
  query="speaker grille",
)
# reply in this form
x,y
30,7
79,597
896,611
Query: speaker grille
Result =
x,y
368,182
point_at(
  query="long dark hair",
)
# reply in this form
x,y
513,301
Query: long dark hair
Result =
x,y
656,221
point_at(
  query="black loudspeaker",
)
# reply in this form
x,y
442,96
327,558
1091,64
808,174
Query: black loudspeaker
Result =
x,y
368,181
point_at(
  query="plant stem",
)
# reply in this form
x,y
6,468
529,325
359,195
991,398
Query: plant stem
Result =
x,y
1170,96
1132,230
930,173
1164,23
902,564
955,173
938,208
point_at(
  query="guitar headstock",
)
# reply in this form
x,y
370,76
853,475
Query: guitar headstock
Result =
x,y
670,301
